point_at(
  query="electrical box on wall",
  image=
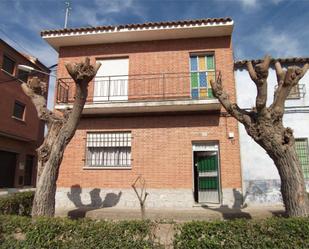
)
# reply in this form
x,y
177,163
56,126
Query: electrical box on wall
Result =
x,y
231,135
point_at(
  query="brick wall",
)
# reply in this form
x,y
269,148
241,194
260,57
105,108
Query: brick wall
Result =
x,y
162,144
154,57
18,136
31,128
22,149
161,151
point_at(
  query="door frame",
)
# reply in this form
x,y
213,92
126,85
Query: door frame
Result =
x,y
209,146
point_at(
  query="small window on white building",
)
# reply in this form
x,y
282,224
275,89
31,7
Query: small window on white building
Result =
x,y
294,93
303,155
108,149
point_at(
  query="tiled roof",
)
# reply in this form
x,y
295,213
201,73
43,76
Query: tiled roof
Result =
x,y
242,63
138,26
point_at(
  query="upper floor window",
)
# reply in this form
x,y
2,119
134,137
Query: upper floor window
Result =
x,y
8,64
108,149
23,75
294,93
19,110
302,151
202,71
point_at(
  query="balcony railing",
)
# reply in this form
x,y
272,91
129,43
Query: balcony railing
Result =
x,y
297,92
146,87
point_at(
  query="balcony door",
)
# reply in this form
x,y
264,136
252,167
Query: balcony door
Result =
x,y
111,81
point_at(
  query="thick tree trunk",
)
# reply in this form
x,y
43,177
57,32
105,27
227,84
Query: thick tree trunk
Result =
x,y
44,199
279,144
264,125
61,129
293,189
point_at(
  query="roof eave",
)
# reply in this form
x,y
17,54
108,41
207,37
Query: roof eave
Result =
x,y
77,38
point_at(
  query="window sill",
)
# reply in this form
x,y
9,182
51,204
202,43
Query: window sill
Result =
x,y
108,168
8,73
18,119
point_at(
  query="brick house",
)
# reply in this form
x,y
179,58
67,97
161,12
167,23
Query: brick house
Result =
x,y
21,132
150,112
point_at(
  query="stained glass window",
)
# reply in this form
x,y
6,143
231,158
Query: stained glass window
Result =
x,y
202,69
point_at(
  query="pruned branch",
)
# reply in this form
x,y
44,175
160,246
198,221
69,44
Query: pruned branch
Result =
x,y
232,108
82,72
259,74
286,80
36,90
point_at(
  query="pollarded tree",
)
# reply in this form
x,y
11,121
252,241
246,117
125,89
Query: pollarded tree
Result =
x,y
61,129
264,124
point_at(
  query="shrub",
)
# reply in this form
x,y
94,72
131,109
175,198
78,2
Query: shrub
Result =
x,y
17,203
22,232
269,233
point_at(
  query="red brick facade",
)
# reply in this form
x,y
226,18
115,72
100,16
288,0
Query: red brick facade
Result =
x,y
155,57
161,151
161,142
18,136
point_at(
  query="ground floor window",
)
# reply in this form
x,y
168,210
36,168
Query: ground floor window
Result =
x,y
303,155
108,149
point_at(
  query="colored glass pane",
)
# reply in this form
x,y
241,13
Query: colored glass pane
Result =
x,y
194,80
210,93
210,62
193,63
201,63
202,79
210,76
203,93
194,93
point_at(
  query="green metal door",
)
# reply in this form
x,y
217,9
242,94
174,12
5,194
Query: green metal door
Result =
x,y
208,178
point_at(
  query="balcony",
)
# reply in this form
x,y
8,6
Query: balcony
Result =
x,y
139,93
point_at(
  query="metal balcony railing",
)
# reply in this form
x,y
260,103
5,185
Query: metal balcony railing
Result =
x,y
142,87
297,92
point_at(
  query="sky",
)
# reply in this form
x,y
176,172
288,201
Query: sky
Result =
x,y
276,27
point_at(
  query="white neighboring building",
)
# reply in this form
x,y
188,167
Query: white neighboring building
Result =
x,y
261,180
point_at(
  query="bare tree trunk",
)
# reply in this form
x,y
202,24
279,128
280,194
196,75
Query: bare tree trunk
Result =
x,y
61,129
44,199
293,188
264,125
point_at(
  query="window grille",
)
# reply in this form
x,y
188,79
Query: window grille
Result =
x,y
108,149
303,155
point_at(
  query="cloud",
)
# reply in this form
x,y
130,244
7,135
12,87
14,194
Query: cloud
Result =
x,y
276,1
104,12
114,6
277,43
248,4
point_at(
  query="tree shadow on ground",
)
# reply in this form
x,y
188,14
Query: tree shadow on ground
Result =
x,y
234,212
96,202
